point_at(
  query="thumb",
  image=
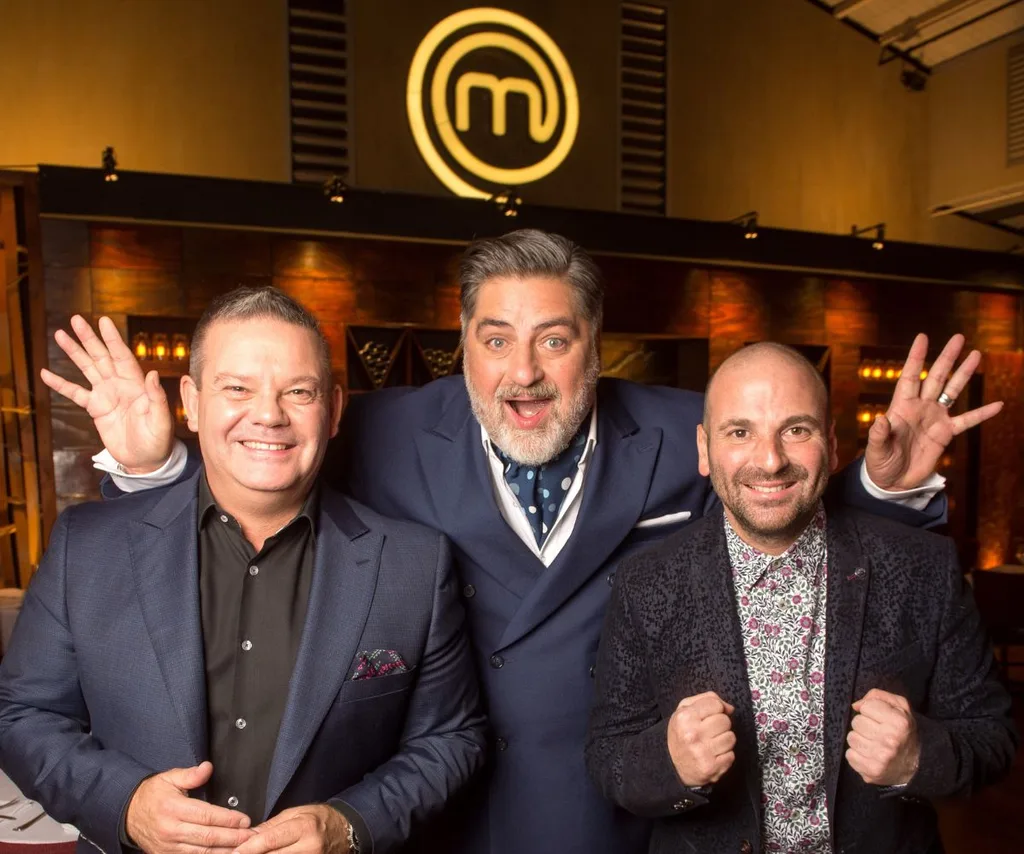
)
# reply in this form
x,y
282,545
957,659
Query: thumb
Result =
x,y
189,778
154,390
880,430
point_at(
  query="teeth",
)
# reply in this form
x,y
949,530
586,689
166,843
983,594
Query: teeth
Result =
x,y
527,409
264,446
768,489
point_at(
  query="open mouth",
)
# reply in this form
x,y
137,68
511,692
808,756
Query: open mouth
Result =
x,y
528,412
267,447
770,490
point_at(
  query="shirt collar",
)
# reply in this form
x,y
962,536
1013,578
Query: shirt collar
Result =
x,y
309,511
749,564
588,449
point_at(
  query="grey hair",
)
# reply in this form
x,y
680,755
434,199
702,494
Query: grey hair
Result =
x,y
251,303
526,253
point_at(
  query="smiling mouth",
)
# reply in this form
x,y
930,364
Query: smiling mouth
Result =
x,y
265,446
768,489
528,408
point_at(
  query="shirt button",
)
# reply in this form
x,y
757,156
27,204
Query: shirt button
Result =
x,y
469,591
247,645
224,518
254,570
240,723
232,801
497,661
501,744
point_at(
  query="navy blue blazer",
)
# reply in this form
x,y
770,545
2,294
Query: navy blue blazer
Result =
x,y
417,454
104,681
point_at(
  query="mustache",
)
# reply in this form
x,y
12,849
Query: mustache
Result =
x,y
540,391
754,476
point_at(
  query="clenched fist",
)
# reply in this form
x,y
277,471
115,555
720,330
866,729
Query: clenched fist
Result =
x,y
701,740
884,748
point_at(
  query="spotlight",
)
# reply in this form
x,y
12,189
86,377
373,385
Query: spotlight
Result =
x,y
879,230
913,79
335,189
508,202
109,164
749,223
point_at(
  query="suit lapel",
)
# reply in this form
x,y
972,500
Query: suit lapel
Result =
x,y
848,580
165,564
723,637
345,569
614,493
459,480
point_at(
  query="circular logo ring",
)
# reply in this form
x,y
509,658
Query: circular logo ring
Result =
x,y
439,106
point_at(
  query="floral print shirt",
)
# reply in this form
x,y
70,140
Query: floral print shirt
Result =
x,y
781,604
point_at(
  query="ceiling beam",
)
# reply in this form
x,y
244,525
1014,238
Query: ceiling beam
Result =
x,y
911,27
847,8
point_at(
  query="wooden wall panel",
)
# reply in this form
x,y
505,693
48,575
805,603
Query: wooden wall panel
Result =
x,y
309,259
331,300
739,314
132,291
998,322
65,243
135,248
68,290
796,308
238,253
200,287
851,313
660,297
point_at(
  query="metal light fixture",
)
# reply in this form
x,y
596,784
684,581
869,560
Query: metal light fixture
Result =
x,y
749,223
508,202
161,349
179,347
335,189
109,161
878,228
140,346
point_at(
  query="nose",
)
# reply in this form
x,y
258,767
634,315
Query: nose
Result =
x,y
525,369
267,410
770,455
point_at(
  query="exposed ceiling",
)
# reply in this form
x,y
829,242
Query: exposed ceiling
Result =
x,y
929,31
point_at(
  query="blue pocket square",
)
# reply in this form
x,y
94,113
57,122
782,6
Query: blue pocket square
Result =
x,y
378,662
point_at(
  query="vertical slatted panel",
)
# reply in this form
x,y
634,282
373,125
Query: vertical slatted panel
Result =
x,y
319,73
1015,105
643,108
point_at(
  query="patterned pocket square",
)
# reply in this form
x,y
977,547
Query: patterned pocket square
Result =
x,y
378,662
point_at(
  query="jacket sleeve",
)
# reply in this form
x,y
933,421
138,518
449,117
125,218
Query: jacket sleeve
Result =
x,y
45,741
966,732
443,741
846,488
627,743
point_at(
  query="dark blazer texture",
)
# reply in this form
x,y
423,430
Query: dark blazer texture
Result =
x,y
900,618
104,681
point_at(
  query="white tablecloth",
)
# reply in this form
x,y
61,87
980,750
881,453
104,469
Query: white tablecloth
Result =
x,y
46,831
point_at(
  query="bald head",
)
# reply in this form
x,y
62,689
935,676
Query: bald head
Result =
x,y
766,356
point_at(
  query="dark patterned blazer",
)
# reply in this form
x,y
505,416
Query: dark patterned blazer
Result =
x,y
900,618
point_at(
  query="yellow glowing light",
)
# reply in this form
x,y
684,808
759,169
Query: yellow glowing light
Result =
x,y
541,125
924,375
876,373
141,350
866,373
890,374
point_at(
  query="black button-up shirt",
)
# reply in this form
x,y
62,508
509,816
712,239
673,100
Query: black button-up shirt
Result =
x,y
253,610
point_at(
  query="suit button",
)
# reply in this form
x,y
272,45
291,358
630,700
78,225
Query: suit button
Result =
x,y
497,661
611,579
469,591
593,670
501,744
746,847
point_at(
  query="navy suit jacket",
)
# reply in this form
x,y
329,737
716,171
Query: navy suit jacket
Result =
x,y
900,618
104,681
417,454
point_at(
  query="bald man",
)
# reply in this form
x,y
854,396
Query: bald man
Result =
x,y
788,675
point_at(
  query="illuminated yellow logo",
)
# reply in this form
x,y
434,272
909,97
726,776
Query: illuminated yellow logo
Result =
x,y
513,97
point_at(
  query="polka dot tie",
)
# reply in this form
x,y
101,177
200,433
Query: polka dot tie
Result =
x,y
542,489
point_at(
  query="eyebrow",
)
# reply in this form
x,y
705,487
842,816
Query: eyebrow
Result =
x,y
746,423
305,378
540,327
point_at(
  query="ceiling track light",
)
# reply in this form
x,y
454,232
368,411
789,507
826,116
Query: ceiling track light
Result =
x,y
508,202
109,161
749,223
335,189
879,230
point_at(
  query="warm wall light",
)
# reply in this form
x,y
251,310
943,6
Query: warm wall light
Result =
x,y
109,160
179,347
160,350
878,228
335,189
140,346
749,223
508,202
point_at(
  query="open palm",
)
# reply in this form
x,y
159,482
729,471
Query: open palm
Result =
x,y
129,408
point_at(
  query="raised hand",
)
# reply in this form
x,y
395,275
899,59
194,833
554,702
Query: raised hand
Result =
x,y
905,444
884,748
163,819
701,740
129,409
313,829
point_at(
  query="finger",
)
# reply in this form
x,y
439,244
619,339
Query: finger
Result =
x,y
857,762
272,837
859,743
715,725
154,390
96,349
962,375
729,708
941,368
75,393
975,417
194,811
865,726
83,361
697,698
724,743
705,706
189,778
895,700
879,711
723,764
205,836
909,383
124,361
878,433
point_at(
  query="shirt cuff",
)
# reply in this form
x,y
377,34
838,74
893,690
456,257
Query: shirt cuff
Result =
x,y
916,499
167,474
360,832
